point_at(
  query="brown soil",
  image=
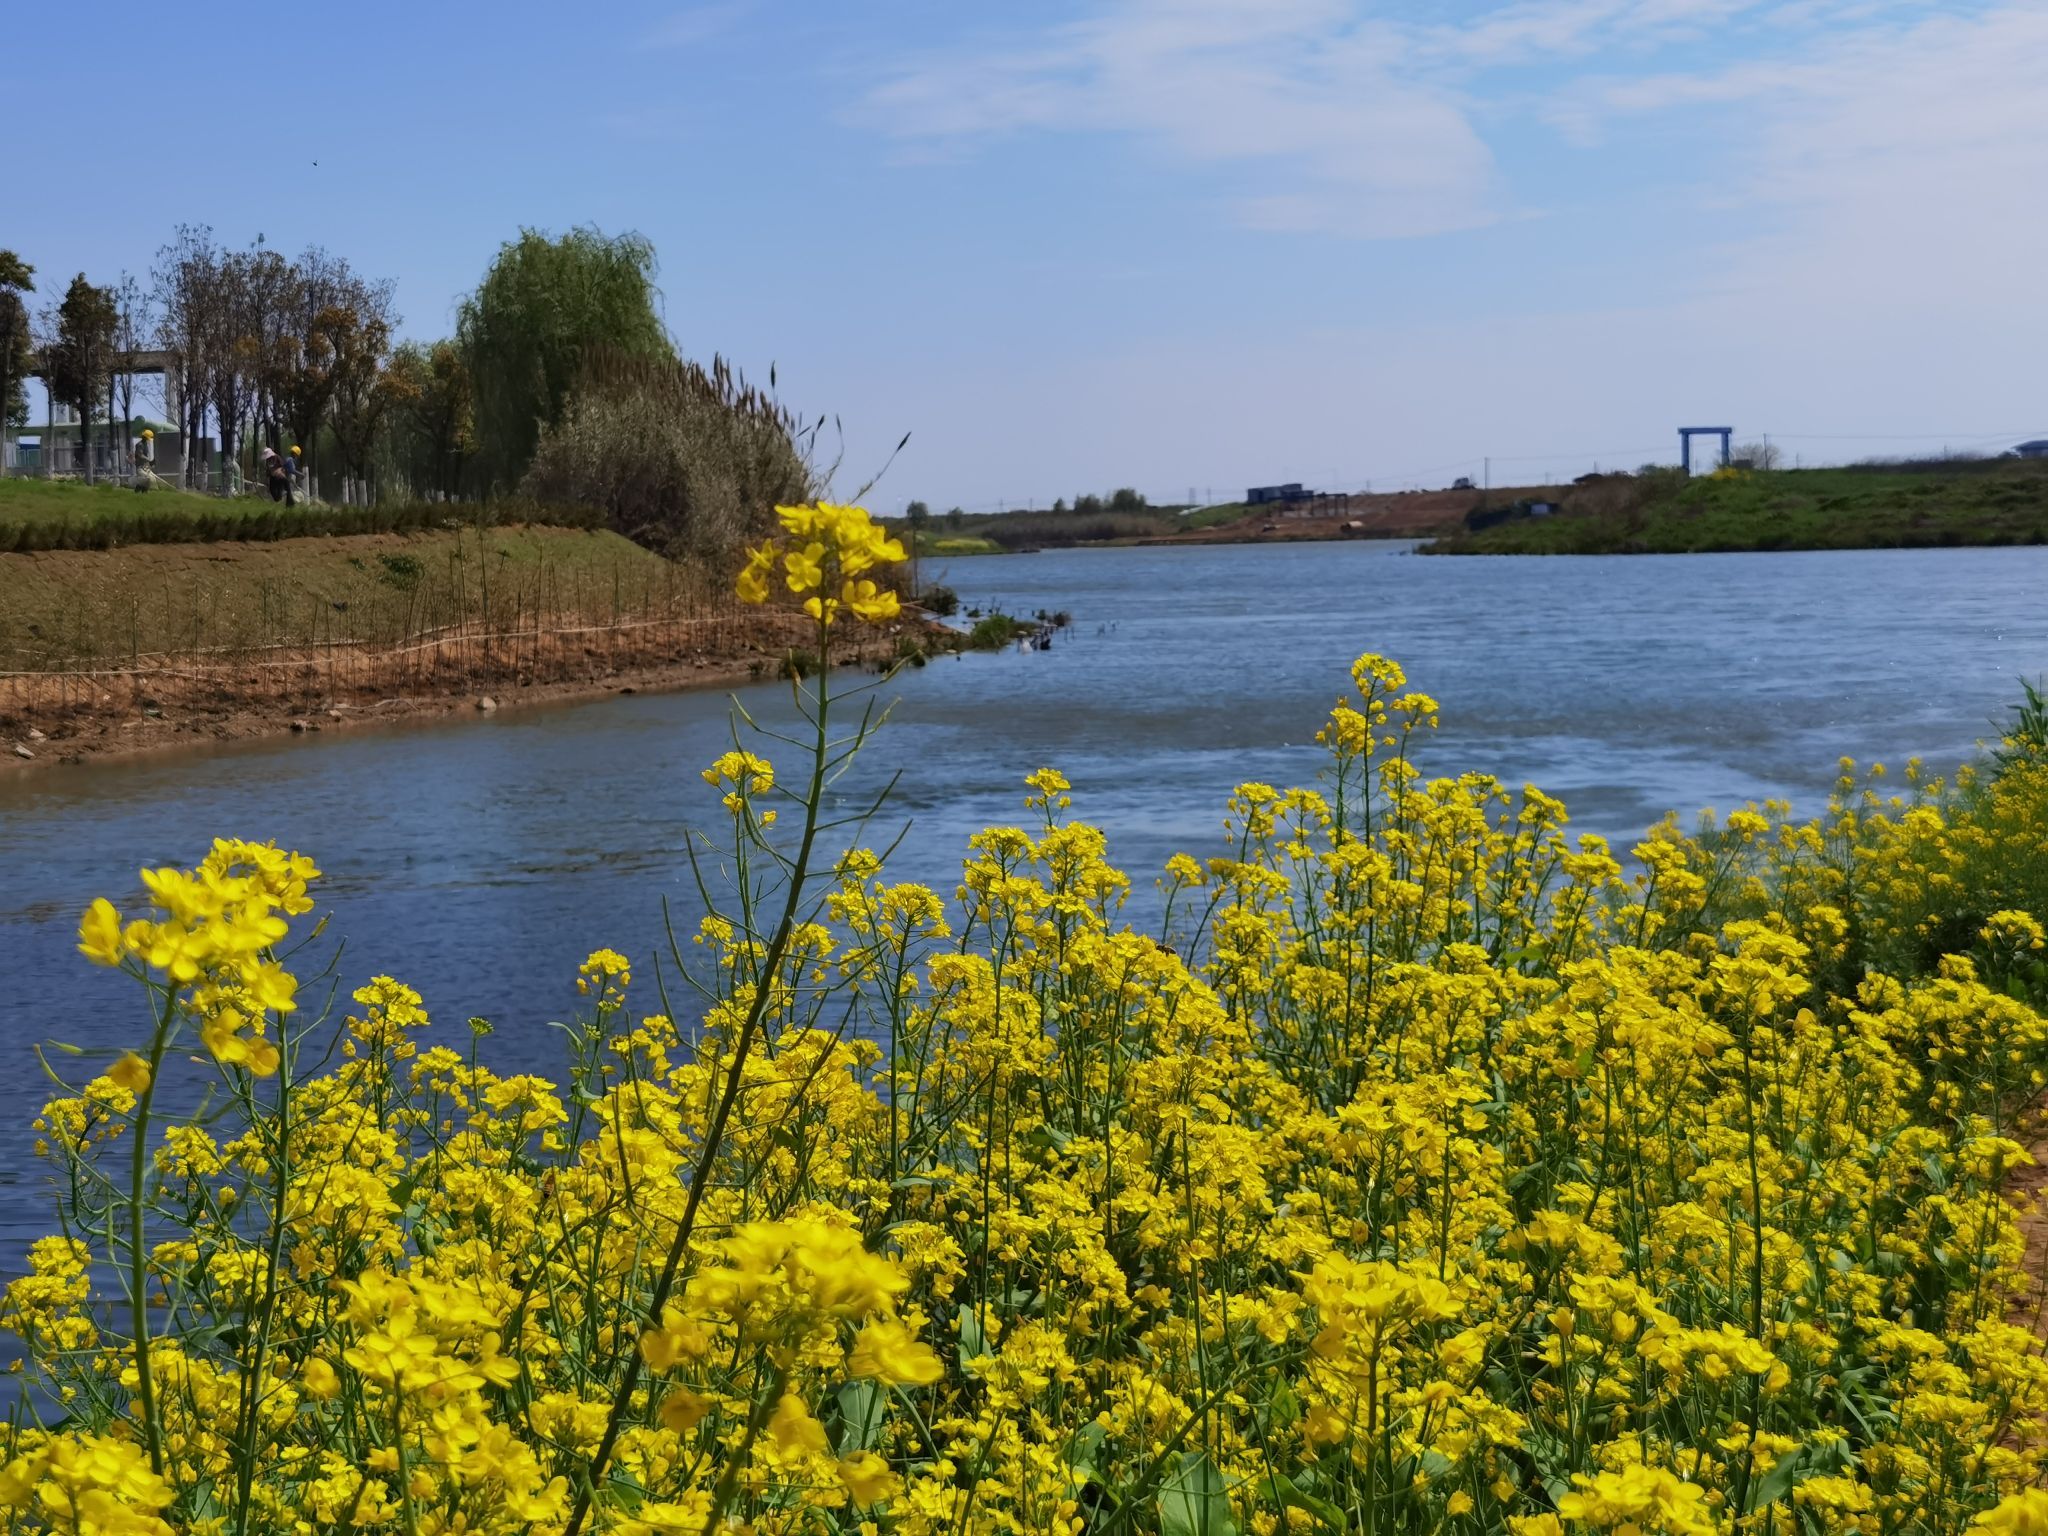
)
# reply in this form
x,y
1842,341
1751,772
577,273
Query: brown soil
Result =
x,y
2027,1190
66,718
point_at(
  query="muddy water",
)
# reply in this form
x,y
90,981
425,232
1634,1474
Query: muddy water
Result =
x,y
481,860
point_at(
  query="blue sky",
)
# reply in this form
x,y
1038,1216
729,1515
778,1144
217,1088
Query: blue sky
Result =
x,y
1169,243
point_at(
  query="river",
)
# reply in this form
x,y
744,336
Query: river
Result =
x,y
482,860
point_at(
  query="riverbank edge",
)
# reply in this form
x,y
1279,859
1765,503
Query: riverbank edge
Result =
x,y
1476,547
113,735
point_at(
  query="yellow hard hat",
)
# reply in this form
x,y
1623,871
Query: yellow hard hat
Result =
x,y
295,450
148,432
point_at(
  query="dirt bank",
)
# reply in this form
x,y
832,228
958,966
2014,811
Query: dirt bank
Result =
x,y
56,719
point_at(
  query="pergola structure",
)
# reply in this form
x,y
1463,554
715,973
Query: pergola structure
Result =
x,y
1687,434
142,361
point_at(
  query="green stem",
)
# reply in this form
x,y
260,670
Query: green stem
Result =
x,y
274,1256
138,1253
714,1134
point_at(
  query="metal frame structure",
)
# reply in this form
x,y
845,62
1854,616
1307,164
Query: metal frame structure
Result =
x,y
1687,434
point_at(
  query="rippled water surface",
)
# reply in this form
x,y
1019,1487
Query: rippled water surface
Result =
x,y
481,860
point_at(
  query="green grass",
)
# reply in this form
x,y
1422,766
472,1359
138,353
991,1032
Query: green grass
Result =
x,y
1049,530
941,548
105,607
25,498
1216,516
68,514
1998,502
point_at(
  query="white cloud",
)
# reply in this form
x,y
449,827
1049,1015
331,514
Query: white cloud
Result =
x,y
1324,115
1303,105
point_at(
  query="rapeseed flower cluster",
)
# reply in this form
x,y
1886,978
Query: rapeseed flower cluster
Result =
x,y
1427,1171
826,561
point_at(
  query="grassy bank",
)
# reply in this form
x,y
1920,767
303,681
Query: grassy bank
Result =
x,y
73,608
1007,532
1997,502
68,514
929,548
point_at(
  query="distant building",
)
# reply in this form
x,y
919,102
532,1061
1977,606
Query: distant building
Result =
x,y
1263,495
56,447
2036,449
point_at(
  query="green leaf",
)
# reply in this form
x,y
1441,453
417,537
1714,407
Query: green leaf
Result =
x,y
1192,1501
1293,1497
1081,1453
1780,1480
1283,1410
973,1343
860,1405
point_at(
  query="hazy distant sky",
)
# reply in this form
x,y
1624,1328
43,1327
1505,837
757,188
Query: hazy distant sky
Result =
x,y
1168,243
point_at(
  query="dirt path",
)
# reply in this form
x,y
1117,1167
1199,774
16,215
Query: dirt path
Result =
x,y
2027,1189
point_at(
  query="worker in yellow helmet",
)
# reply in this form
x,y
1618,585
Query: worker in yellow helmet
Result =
x,y
142,458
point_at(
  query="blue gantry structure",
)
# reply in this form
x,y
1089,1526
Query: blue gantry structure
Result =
x,y
1687,434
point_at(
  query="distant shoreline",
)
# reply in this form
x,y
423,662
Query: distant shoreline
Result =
x,y
1995,503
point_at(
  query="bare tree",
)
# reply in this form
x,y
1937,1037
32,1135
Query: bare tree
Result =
x,y
132,328
271,296
183,280
230,330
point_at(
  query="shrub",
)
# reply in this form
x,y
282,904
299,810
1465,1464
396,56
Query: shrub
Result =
x,y
994,632
679,459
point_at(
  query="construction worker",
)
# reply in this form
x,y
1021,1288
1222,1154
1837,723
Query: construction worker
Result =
x,y
142,458
276,476
298,470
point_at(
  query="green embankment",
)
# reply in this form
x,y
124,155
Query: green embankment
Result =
x,y
992,533
68,514
929,548
1998,502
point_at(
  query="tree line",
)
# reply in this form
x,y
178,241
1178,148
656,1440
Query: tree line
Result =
x,y
259,349
561,380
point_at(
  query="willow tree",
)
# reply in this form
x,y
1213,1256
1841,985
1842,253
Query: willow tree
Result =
x,y
546,304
